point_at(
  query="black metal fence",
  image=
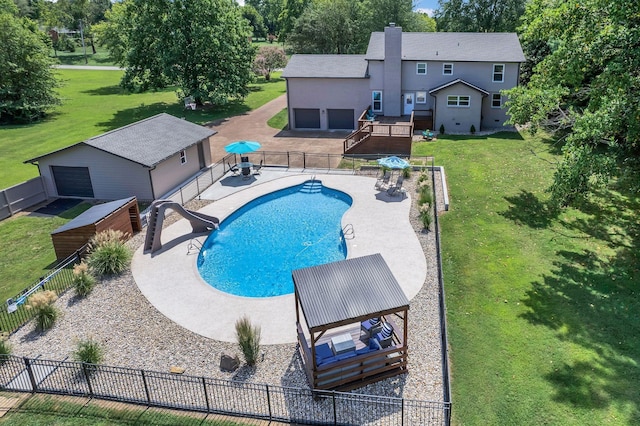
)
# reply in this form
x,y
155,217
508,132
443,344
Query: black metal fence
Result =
x,y
59,279
202,394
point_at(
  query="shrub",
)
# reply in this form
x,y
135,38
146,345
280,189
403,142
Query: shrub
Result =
x,y
5,349
442,129
83,281
426,217
88,351
473,129
109,255
426,196
406,172
248,339
424,176
45,313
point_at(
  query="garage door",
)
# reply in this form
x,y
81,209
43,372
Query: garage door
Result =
x,y
306,118
72,181
340,119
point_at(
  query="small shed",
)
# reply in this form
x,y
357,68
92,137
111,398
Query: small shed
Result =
x,y
340,343
122,215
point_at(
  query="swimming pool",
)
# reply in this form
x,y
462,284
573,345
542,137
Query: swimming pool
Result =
x,y
255,249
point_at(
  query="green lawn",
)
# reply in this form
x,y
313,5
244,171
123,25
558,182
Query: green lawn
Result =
x,y
56,410
101,57
280,120
542,307
93,103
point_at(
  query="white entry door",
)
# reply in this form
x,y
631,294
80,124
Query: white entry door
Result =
x,y
408,103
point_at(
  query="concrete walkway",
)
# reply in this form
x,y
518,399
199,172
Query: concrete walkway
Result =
x,y
171,282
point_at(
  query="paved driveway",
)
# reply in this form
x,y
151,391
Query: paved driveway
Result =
x,y
253,126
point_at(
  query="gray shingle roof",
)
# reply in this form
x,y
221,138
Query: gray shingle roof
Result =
x,y
147,142
463,47
347,289
93,215
326,66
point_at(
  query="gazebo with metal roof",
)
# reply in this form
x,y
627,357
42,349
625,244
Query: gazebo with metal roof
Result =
x,y
337,300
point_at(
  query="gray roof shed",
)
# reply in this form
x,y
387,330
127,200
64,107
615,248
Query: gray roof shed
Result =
x,y
347,289
147,142
326,66
459,47
93,215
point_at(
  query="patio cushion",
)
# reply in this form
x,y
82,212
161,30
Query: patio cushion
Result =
x,y
387,330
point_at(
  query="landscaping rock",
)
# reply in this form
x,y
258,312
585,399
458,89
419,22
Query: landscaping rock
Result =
x,y
229,363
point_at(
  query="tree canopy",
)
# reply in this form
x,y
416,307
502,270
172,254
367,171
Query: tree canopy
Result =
x,y
585,91
342,26
479,15
202,46
27,81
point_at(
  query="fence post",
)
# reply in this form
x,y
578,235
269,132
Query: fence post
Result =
x,y
304,160
181,198
146,387
206,395
32,379
269,402
335,413
288,161
86,376
402,412
198,185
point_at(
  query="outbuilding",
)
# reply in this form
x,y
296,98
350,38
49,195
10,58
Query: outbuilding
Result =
x,y
122,215
147,159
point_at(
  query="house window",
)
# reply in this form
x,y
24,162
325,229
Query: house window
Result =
x,y
496,100
458,101
498,73
376,98
447,69
421,68
183,156
421,97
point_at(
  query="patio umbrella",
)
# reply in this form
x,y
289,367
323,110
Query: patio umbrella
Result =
x,y
393,162
242,147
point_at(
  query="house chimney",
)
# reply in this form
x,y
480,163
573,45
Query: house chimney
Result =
x,y
392,80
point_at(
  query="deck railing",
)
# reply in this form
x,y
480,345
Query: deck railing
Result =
x,y
209,395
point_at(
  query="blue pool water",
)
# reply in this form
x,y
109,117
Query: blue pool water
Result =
x,y
257,247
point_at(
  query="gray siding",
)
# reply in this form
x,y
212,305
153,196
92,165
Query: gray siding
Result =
x,y
171,173
328,93
458,119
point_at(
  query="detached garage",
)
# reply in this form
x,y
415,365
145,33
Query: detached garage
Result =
x,y
122,215
146,159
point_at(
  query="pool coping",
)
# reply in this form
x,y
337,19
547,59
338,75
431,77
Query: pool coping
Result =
x,y
169,278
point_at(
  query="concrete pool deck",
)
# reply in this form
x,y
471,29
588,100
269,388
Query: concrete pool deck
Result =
x,y
170,280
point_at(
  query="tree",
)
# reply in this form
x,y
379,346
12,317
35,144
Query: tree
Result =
x,y
27,82
268,59
479,15
383,12
330,26
255,21
586,91
202,46
291,11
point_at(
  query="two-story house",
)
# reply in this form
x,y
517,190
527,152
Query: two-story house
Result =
x,y
456,77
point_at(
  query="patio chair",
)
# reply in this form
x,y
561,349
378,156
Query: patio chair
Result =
x,y
246,172
190,103
244,159
233,169
397,188
371,327
385,336
383,181
256,168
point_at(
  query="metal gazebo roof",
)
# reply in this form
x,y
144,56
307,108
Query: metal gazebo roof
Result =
x,y
347,290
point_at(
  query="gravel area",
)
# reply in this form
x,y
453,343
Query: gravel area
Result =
x,y
134,334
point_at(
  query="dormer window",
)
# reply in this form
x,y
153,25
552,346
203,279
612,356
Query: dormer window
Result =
x,y
421,68
447,69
